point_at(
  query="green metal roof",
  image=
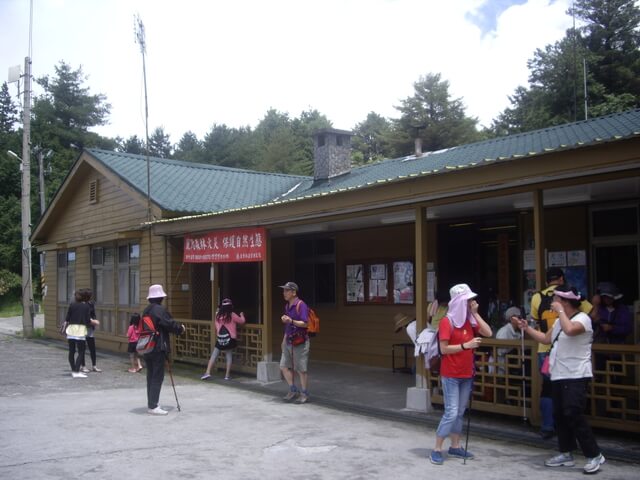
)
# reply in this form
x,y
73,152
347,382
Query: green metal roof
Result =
x,y
508,148
195,187
200,188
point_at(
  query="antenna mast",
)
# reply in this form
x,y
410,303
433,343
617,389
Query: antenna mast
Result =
x,y
140,40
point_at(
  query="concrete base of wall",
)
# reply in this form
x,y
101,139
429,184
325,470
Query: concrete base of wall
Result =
x,y
268,372
419,399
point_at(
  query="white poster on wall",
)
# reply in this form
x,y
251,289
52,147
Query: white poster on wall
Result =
x,y
557,259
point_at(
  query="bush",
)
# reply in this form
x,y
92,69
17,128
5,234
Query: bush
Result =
x,y
10,283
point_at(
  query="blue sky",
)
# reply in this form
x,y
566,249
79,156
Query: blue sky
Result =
x,y
228,62
486,16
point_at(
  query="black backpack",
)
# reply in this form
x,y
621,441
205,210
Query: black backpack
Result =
x,y
546,316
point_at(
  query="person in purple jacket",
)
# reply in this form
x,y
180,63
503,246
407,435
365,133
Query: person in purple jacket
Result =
x,y
295,344
611,318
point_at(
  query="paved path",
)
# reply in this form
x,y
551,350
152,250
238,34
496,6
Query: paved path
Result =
x,y
56,427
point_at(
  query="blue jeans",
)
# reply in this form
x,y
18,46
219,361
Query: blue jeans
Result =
x,y
456,393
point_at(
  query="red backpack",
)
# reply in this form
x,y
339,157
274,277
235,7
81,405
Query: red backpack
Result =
x,y
313,321
148,335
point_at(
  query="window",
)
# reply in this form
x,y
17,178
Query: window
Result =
x,y
321,140
315,269
615,221
129,274
66,276
102,262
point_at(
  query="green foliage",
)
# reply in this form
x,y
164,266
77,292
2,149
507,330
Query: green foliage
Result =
x,y
160,144
10,284
369,142
431,113
607,45
8,111
189,149
132,144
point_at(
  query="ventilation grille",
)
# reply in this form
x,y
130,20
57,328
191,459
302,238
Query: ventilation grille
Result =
x,y
93,192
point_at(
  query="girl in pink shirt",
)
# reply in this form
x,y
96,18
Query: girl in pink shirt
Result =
x,y
226,334
133,335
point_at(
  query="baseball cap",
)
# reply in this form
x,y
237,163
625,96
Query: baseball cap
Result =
x,y
290,286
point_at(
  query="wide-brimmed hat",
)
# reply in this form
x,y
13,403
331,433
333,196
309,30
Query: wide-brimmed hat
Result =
x,y
401,320
609,289
461,289
290,286
156,291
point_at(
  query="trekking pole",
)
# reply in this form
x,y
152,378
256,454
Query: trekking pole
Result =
x,y
466,443
172,383
524,380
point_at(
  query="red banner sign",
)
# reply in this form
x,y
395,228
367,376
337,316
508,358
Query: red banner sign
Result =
x,y
241,245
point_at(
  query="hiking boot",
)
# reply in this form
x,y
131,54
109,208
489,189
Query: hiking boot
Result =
x,y
593,464
460,452
302,398
157,411
436,458
290,396
561,460
96,369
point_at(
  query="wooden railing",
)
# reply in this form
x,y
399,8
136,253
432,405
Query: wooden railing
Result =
x,y
196,345
501,387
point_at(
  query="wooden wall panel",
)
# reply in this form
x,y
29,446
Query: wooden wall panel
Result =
x,y
350,333
114,211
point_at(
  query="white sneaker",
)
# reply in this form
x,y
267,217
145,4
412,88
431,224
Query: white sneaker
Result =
x,y
157,411
78,375
593,464
84,370
565,459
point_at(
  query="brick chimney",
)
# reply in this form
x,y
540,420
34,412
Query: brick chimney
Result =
x,y
331,153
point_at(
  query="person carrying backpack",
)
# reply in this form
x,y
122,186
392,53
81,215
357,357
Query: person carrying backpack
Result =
x,y
295,344
164,324
226,322
545,318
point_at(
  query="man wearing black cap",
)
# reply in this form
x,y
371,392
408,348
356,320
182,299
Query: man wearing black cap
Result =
x,y
295,343
545,318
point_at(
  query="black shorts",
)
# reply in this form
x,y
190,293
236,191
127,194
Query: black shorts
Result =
x,y
132,347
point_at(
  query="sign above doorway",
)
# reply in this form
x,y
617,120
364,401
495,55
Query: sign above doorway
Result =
x,y
226,246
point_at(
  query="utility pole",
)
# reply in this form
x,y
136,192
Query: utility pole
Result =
x,y
41,157
141,40
27,291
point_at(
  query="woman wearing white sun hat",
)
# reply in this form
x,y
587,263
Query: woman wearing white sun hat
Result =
x,y
458,334
164,324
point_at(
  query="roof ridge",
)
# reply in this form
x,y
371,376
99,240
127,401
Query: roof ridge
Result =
x,y
185,163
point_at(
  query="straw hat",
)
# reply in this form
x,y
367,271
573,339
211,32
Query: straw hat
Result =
x,y
401,320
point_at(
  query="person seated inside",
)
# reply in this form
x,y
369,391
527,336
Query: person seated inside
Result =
x,y
509,331
611,318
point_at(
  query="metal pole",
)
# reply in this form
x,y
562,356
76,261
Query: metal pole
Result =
x,y
27,293
41,179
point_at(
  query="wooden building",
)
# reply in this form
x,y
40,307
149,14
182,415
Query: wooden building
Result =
x,y
363,243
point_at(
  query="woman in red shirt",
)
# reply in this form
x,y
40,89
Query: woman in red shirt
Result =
x,y
458,334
